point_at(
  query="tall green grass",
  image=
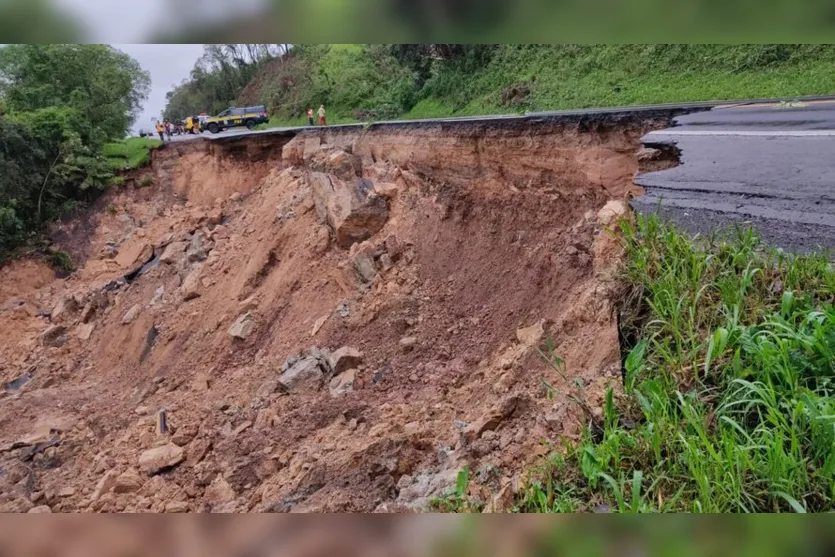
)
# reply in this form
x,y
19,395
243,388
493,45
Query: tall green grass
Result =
x,y
130,153
728,403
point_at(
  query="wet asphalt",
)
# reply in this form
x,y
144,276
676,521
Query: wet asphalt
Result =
x,y
768,166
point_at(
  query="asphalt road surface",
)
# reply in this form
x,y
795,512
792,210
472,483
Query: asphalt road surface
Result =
x,y
770,166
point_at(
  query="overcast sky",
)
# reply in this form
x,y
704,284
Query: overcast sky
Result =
x,y
169,64
128,21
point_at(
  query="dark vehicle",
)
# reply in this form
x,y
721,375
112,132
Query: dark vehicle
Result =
x,y
250,117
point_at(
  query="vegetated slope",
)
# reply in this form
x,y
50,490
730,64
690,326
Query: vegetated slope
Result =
x,y
728,386
343,327
373,82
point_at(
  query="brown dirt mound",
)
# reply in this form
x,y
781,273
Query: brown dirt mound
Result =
x,y
468,251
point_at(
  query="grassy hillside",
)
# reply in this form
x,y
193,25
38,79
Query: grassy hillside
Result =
x,y
373,82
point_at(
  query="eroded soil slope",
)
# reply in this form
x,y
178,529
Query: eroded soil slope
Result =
x,y
336,324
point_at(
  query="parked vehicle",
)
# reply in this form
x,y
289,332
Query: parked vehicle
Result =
x,y
249,116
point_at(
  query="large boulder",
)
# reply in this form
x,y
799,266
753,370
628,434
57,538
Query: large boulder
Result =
x,y
350,208
338,162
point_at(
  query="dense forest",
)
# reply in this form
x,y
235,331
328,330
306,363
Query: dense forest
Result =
x,y
371,82
59,105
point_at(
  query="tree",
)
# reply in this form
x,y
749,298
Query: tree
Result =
x,y
58,105
101,85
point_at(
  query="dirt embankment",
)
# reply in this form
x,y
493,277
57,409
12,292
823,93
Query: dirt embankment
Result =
x,y
339,323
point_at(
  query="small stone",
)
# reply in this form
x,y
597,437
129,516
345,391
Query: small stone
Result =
x,y
303,375
157,459
197,249
66,492
220,491
42,509
131,314
378,430
318,325
250,304
490,421
241,428
104,485
190,289
85,331
173,252
343,383
530,336
88,312
242,327
215,216
408,343
54,336
176,507
610,212
127,482
236,196
344,359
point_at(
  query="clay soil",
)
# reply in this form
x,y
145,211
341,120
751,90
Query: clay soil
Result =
x,y
494,243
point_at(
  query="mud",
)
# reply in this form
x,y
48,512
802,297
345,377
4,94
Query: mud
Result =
x,y
484,243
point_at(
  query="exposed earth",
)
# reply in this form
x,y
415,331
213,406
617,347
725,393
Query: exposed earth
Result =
x,y
338,321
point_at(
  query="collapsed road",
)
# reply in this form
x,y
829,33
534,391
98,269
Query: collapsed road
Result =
x,y
766,165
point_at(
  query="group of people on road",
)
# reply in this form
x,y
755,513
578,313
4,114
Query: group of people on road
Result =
x,y
322,121
166,128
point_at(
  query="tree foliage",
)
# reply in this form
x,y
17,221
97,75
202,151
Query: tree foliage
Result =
x,y
59,104
218,78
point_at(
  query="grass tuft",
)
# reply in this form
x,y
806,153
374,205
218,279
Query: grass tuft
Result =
x,y
729,386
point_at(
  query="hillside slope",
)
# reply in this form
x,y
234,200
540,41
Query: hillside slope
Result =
x,y
373,82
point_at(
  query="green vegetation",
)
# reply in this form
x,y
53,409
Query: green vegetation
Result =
x,y
378,82
60,104
145,182
131,153
729,386
218,78
61,260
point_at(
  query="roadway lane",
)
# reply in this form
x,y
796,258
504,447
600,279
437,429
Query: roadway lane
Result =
x,y
770,166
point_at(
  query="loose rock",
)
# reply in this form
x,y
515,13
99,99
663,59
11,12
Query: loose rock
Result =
x,y
54,336
173,252
344,359
343,383
190,289
158,459
131,314
242,327
84,331
408,343
127,482
304,375
530,336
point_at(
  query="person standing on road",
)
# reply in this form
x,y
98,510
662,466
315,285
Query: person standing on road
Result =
x,y
309,116
160,131
168,129
322,121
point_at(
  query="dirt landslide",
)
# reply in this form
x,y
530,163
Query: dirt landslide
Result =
x,y
334,322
